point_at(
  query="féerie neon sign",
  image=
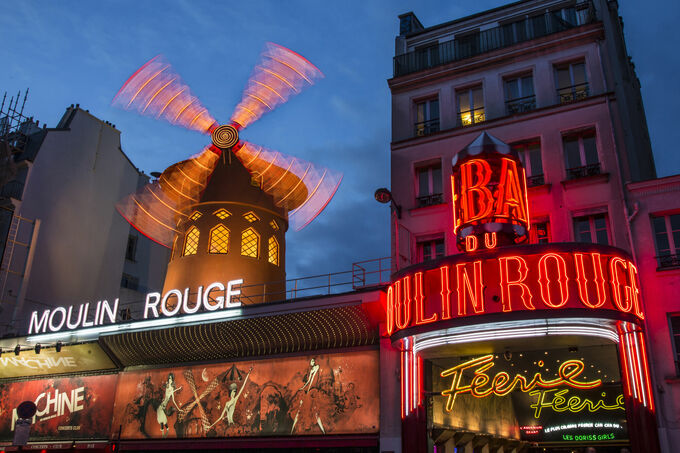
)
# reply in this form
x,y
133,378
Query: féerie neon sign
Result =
x,y
482,385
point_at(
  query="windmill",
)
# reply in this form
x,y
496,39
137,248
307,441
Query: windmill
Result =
x,y
225,210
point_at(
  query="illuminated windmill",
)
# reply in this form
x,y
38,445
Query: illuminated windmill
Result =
x,y
224,211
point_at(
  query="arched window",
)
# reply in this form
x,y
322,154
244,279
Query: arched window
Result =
x,y
219,239
191,241
250,243
273,251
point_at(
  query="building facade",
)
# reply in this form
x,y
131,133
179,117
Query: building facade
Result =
x,y
59,207
552,79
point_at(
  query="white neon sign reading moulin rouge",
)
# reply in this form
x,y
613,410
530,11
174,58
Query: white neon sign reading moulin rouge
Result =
x,y
174,302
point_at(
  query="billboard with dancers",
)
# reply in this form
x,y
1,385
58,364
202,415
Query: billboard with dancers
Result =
x,y
303,395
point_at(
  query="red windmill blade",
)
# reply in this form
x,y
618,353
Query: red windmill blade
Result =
x,y
301,188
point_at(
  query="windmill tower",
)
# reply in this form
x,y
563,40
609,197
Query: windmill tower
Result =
x,y
224,212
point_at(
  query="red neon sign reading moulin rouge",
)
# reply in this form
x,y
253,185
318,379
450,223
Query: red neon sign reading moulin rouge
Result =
x,y
523,278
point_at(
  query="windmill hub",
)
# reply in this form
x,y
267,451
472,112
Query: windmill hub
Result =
x,y
225,136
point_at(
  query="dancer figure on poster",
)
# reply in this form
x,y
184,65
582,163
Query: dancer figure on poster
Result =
x,y
310,412
161,416
311,374
230,405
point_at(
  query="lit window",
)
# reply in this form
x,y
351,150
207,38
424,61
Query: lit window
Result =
x,y
191,241
571,81
667,240
674,326
430,249
427,117
251,217
539,233
580,154
519,94
195,216
222,214
470,106
592,229
273,251
219,239
274,225
530,155
250,243
429,185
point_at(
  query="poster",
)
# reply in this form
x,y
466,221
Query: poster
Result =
x,y
71,359
68,408
305,395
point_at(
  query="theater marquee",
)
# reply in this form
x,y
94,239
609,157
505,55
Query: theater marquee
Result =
x,y
511,279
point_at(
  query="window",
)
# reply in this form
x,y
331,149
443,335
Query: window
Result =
x,y
222,214
219,239
538,26
251,217
514,32
250,243
571,82
274,225
191,241
540,233
427,56
130,282
427,117
195,215
131,249
429,185
667,240
467,45
530,155
470,106
430,249
674,327
273,251
566,18
580,154
519,94
592,229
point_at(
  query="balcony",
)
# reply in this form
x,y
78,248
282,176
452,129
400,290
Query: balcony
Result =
x,y
487,40
582,172
534,181
573,93
430,200
520,105
470,117
426,127
668,261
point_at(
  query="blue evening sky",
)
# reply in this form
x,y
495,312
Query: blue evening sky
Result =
x,y
82,51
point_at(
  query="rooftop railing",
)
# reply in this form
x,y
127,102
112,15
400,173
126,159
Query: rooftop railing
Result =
x,y
488,40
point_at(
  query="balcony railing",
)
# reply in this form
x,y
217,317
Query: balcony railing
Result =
x,y
520,105
427,127
430,200
485,41
536,180
582,172
573,93
667,261
470,117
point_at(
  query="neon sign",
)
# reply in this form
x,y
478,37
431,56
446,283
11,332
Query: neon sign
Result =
x,y
482,385
560,402
174,302
538,277
489,195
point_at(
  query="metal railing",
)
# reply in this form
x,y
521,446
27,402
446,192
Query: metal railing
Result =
x,y
520,105
426,127
668,261
430,200
485,41
573,93
470,117
582,172
536,180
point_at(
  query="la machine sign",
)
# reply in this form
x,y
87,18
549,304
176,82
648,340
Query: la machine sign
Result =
x,y
162,308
